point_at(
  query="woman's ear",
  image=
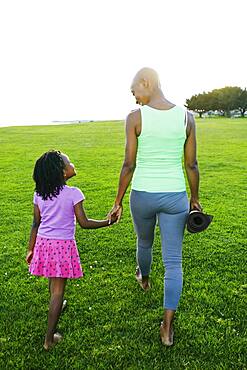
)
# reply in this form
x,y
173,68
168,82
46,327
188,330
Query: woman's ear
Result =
x,y
145,83
64,174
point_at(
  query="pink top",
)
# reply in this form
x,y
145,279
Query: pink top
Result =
x,y
57,215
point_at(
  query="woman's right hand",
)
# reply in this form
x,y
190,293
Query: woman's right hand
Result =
x,y
116,211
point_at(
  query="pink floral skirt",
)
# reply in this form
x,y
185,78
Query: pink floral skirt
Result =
x,y
56,258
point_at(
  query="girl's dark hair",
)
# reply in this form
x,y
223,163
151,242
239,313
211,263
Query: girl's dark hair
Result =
x,y
48,174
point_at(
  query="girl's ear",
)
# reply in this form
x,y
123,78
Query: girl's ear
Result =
x,y
64,174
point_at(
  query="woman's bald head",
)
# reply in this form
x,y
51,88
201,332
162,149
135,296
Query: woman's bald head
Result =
x,y
148,75
144,84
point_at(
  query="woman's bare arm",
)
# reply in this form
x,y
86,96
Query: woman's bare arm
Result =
x,y
129,163
190,162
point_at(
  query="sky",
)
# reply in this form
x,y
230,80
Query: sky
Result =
x,y
74,60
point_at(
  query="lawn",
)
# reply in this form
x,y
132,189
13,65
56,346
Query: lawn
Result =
x,y
109,322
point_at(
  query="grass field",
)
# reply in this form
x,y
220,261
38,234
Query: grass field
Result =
x,y
109,322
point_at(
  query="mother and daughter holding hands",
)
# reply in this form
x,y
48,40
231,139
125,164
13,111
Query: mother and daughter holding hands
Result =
x,y
157,135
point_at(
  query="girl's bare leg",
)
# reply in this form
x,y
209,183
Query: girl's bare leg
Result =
x,y
56,287
64,305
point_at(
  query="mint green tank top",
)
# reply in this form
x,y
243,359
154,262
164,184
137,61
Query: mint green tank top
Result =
x,y
160,151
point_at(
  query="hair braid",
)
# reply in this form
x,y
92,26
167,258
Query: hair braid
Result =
x,y
48,174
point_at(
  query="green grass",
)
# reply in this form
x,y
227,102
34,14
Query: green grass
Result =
x,y
109,322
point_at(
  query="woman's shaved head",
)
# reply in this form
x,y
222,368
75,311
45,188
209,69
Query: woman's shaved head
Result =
x,y
144,85
148,76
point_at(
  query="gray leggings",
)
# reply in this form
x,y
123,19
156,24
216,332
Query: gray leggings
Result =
x,y
172,210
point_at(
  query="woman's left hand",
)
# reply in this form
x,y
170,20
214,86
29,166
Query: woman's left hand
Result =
x,y
195,205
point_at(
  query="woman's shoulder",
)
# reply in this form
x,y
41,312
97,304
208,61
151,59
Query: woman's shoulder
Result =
x,y
134,116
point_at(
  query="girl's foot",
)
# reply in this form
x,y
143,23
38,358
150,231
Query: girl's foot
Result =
x,y
166,336
64,305
56,339
144,283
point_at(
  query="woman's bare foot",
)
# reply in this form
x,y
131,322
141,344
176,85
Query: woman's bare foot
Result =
x,y
166,335
142,281
56,339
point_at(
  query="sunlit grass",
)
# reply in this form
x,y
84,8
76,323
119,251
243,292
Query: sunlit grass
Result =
x,y
109,322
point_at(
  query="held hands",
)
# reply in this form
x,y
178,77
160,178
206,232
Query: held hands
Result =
x,y
111,219
29,257
115,213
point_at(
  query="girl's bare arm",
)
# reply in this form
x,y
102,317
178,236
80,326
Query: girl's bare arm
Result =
x,y
33,233
87,223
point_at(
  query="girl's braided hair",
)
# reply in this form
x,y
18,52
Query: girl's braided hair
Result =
x,y
48,174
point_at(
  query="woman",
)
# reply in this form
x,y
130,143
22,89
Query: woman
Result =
x,y
156,136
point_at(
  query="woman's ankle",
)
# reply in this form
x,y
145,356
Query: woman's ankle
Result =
x,y
168,317
145,279
166,326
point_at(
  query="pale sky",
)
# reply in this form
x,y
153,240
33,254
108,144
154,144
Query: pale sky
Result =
x,y
74,60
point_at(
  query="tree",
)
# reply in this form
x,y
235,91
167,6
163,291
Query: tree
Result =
x,y
198,103
224,100
242,102
227,98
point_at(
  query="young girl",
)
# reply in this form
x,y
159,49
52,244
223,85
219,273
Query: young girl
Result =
x,y
52,248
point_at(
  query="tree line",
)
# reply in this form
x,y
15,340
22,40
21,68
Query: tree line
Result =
x,y
223,100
